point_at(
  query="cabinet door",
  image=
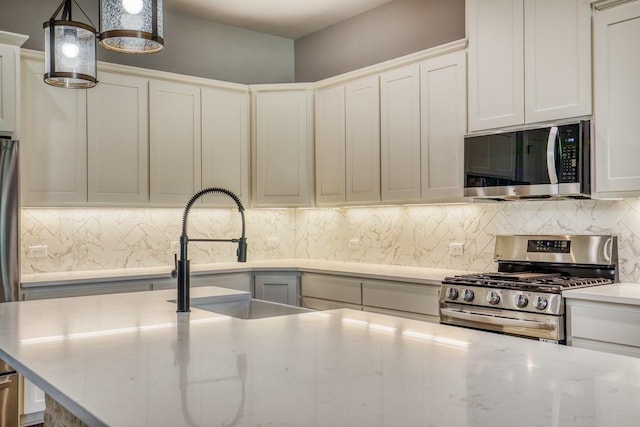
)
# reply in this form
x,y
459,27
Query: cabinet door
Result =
x,y
617,91
54,141
443,125
400,133
33,398
282,288
557,59
362,105
175,142
117,113
283,140
7,88
330,145
225,144
496,63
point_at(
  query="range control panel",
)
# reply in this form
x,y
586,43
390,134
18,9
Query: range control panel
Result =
x,y
549,246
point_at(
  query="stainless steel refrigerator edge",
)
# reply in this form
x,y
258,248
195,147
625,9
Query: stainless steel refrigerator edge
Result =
x,y
9,221
9,266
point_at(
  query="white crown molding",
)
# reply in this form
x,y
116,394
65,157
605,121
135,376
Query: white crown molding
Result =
x,y
606,4
412,58
201,81
148,73
280,87
12,38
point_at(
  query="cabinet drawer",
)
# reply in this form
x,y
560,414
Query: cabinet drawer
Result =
x,y
613,323
408,297
321,304
333,288
403,314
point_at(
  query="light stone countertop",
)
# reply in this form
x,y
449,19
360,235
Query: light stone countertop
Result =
x,y
129,360
373,271
619,293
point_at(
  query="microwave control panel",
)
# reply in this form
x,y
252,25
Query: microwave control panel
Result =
x,y
569,137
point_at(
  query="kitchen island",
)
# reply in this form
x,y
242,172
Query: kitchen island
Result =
x,y
131,360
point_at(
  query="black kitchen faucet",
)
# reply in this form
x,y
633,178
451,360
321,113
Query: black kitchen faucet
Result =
x,y
181,270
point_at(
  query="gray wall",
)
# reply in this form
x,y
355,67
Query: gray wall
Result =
x,y
389,31
192,46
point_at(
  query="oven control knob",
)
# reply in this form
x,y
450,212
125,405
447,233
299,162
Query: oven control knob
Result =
x,y
493,298
467,295
521,300
541,303
452,293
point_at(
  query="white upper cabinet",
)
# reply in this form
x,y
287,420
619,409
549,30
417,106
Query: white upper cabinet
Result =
x,y
225,144
9,81
53,141
529,61
400,133
617,100
443,125
175,142
330,145
118,140
348,142
283,141
557,59
362,103
496,63
8,88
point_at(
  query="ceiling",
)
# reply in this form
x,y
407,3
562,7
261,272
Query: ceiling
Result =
x,y
287,18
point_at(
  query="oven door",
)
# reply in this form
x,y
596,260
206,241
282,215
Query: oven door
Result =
x,y
530,325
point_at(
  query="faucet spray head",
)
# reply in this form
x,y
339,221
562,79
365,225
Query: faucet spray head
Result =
x,y
242,250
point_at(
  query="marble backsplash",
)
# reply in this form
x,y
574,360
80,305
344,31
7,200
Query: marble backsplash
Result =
x,y
88,239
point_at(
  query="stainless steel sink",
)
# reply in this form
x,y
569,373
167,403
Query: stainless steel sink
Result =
x,y
247,308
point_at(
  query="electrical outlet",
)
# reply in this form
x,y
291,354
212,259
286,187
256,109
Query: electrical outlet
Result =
x,y
41,251
175,247
456,249
354,243
273,242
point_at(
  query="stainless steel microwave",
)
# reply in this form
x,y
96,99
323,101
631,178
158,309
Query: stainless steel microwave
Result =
x,y
537,163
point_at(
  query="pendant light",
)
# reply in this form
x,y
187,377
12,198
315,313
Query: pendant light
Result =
x,y
70,50
131,26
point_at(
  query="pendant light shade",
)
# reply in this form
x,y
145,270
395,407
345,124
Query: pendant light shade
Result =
x,y
70,50
131,26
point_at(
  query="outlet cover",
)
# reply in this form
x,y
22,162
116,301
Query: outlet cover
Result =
x,y
175,247
354,243
456,249
273,242
41,251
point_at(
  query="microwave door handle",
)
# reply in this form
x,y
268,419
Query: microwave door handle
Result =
x,y
551,155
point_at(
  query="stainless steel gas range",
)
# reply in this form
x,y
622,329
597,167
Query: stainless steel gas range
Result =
x,y
524,297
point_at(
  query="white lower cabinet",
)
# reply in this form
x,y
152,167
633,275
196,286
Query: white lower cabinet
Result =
x,y
280,288
33,405
403,299
411,300
334,291
603,326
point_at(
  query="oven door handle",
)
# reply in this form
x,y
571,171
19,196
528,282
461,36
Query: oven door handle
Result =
x,y
495,320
